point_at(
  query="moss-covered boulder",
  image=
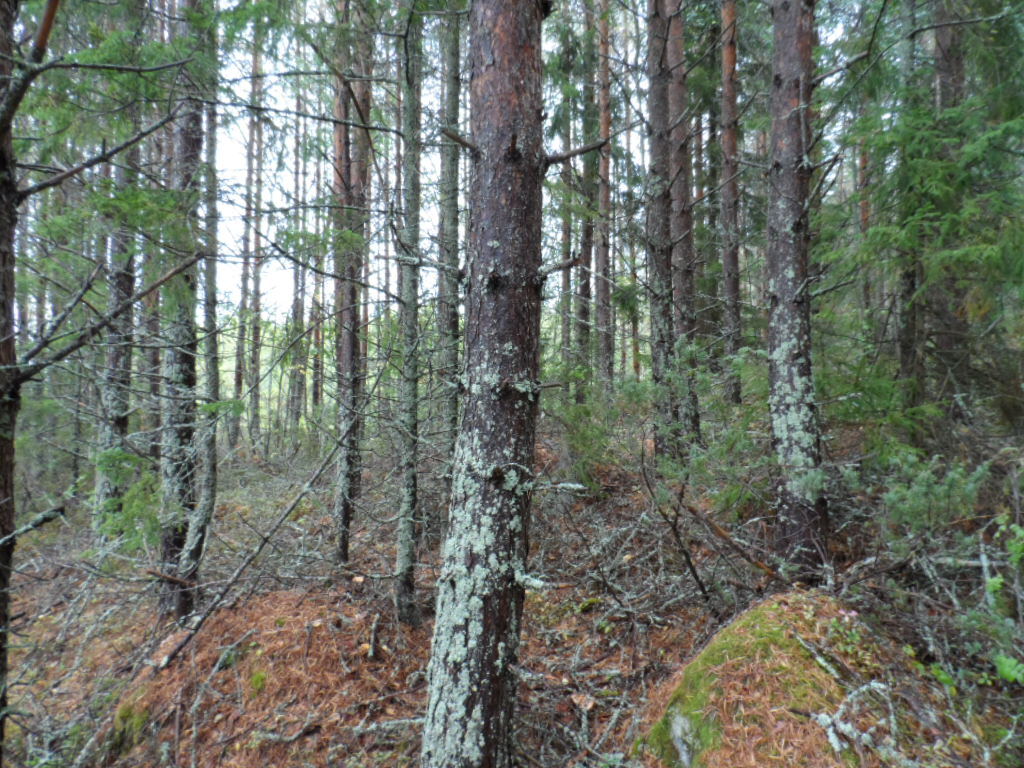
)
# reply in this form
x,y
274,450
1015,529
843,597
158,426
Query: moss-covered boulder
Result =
x,y
798,680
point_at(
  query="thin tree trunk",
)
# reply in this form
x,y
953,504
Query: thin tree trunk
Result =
x,y
565,297
409,259
352,157
659,244
584,267
199,522
448,241
603,275
730,201
316,313
684,254
946,297
10,386
800,530
179,457
115,385
256,296
472,671
297,340
910,336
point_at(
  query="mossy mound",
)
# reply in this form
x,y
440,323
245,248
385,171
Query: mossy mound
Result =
x,y
799,681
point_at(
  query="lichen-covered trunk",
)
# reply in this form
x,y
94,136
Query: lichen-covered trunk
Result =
x,y
472,679
10,386
408,314
800,528
684,253
602,263
448,243
199,521
730,199
659,240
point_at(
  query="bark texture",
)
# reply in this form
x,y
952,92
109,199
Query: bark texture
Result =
x,y
602,267
730,199
472,678
199,521
351,181
659,240
409,263
179,459
448,242
795,432
10,385
684,253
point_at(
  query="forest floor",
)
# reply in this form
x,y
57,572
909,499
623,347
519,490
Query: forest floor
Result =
x,y
304,666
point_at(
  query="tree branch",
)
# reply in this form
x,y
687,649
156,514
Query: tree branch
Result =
x,y
47,336
18,87
561,157
837,69
76,65
36,522
461,140
103,157
27,370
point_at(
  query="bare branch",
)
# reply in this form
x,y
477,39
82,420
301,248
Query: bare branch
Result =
x,y
461,140
102,157
47,336
36,522
27,370
561,157
126,68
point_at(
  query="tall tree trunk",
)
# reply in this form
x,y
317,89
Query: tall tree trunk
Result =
x,y
10,386
316,310
256,296
584,267
684,254
448,242
910,336
602,267
351,163
409,263
241,346
730,200
115,384
179,458
946,296
565,296
800,530
659,241
297,341
472,678
199,522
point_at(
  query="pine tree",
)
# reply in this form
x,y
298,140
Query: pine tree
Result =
x,y
800,499
472,678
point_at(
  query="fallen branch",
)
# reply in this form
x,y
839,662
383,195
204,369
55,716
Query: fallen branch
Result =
x,y
37,522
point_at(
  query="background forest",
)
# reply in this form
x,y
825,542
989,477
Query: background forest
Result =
x,y
233,275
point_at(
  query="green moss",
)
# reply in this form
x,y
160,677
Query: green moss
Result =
x,y
687,730
258,681
129,724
